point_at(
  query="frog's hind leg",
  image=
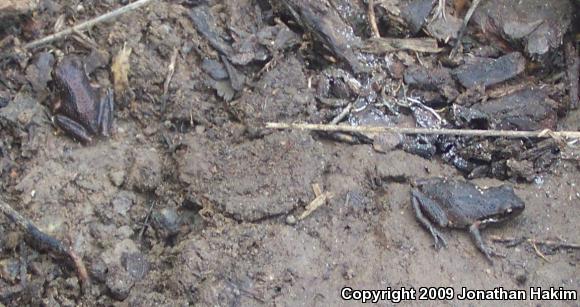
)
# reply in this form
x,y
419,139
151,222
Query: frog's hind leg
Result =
x,y
418,206
476,235
73,128
105,117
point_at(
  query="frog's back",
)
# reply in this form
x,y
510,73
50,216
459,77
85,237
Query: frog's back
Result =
x,y
78,95
465,203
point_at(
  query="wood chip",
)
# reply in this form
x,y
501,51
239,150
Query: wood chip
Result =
x,y
315,204
380,45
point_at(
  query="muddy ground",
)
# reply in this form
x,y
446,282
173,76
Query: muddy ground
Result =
x,y
189,204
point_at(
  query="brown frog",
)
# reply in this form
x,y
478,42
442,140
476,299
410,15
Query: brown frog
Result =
x,y
461,204
82,111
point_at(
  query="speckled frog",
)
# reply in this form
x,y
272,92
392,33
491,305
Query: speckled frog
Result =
x,y
81,112
460,204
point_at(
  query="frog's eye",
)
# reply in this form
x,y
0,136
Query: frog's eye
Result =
x,y
509,210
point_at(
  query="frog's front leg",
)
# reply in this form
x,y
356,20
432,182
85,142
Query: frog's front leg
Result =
x,y
73,128
421,202
105,115
474,230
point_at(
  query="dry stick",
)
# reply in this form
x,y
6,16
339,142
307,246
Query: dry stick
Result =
x,y
538,252
534,243
42,241
573,62
170,72
512,241
555,244
342,114
87,24
470,12
457,132
315,204
373,19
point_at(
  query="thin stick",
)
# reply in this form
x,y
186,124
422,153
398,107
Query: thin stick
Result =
x,y
538,252
342,114
573,62
43,241
146,222
87,24
470,12
511,242
315,204
373,19
170,72
458,132
555,244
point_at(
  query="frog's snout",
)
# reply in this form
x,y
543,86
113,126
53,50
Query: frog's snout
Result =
x,y
516,208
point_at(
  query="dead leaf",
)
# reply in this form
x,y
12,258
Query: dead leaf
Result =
x,y
120,69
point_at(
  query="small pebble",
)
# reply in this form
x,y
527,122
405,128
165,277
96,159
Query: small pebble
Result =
x,y
98,270
146,172
124,232
119,283
150,130
136,264
290,220
117,177
199,129
166,221
123,202
72,283
348,274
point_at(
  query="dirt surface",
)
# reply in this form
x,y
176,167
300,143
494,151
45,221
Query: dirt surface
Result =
x,y
191,203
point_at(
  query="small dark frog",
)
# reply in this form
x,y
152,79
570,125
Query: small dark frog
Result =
x,y
82,112
461,204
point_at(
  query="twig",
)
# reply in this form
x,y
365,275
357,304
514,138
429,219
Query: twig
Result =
x,y
381,45
87,24
317,190
427,131
342,114
146,222
470,12
573,63
315,204
23,264
43,241
426,108
373,19
555,244
170,72
538,251
85,40
511,242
